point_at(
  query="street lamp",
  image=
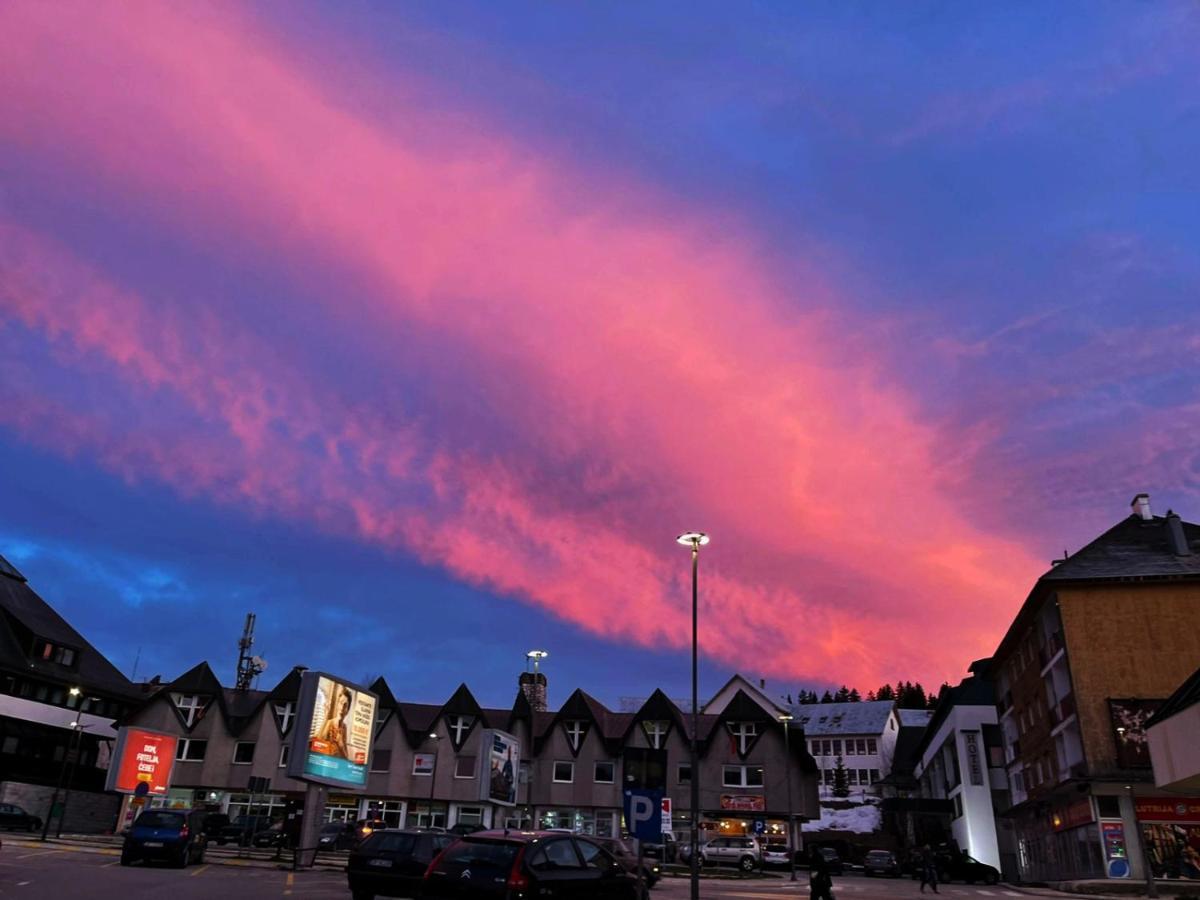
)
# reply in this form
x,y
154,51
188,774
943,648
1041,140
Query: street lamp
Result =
x,y
786,719
435,737
74,755
1151,887
695,540
62,771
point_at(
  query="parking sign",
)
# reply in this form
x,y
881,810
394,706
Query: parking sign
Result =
x,y
643,814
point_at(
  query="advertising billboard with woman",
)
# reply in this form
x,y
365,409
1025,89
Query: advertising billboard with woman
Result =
x,y
334,727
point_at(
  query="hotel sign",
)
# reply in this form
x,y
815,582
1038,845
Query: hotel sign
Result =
x,y
974,762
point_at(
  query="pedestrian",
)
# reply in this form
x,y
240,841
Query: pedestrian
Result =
x,y
928,870
820,882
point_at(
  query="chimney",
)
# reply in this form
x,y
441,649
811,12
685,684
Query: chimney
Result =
x,y
1141,507
533,686
1176,539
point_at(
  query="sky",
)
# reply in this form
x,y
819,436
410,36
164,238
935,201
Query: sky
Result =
x,y
421,330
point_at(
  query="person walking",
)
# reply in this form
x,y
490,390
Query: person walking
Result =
x,y
820,882
928,870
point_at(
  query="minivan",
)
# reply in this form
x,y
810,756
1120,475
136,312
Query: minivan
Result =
x,y
174,835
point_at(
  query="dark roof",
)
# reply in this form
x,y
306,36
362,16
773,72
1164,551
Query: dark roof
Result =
x,y
1187,695
906,755
976,689
1135,549
833,719
24,615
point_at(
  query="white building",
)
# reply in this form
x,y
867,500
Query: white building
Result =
x,y
1173,734
862,735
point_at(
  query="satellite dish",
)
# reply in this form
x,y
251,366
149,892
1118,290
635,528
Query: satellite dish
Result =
x,y
259,663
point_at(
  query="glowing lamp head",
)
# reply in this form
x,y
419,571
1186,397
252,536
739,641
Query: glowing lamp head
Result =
x,y
74,692
692,539
786,717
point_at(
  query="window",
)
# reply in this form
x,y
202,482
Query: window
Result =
x,y
743,734
871,746
423,763
55,653
852,776
605,772
464,767
743,776
243,752
284,752
458,727
958,809
864,777
837,748
684,773
1108,806
815,748
470,815
874,775
190,706
656,733
191,750
829,776
575,731
850,751
284,714
9,745
381,760
564,772
861,745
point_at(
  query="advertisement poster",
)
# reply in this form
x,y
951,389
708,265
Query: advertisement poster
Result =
x,y
743,802
1129,730
502,762
1174,850
142,756
335,726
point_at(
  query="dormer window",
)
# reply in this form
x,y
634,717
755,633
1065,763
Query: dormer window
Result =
x,y
190,707
575,731
459,726
48,651
285,712
656,732
743,734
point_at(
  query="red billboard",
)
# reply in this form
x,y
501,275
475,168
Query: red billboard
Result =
x,y
1167,809
142,756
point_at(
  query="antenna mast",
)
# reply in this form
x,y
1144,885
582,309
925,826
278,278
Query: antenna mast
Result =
x,y
248,667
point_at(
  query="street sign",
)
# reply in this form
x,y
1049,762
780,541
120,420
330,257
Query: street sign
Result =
x,y
667,824
643,814
760,826
142,789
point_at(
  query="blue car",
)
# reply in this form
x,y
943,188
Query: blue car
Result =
x,y
171,835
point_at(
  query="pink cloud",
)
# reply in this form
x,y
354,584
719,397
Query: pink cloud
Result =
x,y
615,333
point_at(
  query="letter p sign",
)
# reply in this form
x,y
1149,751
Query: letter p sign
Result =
x,y
643,815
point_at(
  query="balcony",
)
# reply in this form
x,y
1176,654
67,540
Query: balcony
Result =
x,y
1050,650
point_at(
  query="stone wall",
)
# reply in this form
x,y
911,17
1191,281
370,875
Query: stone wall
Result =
x,y
88,812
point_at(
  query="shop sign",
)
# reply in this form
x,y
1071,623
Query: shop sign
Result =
x,y
667,824
143,757
744,802
1167,809
1078,813
974,765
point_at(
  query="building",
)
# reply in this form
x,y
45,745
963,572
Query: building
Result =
x,y
424,766
960,760
1172,824
60,699
1101,640
861,736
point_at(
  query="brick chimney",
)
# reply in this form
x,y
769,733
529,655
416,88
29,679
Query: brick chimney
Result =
x,y
1176,539
533,686
1141,507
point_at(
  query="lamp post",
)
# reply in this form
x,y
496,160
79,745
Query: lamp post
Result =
x,y
695,540
74,758
435,737
1151,887
786,719
74,692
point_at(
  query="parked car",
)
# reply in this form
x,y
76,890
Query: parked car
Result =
x,y
242,830
173,835
623,852
462,829
775,853
961,867
521,865
214,824
666,850
274,835
392,862
14,818
832,860
337,836
881,862
743,852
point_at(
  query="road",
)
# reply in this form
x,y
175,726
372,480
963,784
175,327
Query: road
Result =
x,y
849,887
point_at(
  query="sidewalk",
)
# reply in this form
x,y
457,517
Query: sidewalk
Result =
x,y
1126,887
247,857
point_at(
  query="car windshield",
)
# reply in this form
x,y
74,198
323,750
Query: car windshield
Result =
x,y
497,855
158,819
878,854
388,842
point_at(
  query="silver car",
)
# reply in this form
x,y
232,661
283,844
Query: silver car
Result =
x,y
742,852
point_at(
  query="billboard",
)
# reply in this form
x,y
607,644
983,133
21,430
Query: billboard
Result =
x,y
335,724
501,765
1129,731
140,756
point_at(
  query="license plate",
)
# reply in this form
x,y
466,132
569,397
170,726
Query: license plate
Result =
x,y
382,863
154,843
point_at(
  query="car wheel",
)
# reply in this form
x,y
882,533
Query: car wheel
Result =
x,y
992,878
746,863
126,860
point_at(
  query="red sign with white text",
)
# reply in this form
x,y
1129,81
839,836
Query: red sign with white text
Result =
x,y
1167,809
142,756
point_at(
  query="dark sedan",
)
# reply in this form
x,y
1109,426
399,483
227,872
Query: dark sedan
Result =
x,y
14,818
391,863
965,868
881,862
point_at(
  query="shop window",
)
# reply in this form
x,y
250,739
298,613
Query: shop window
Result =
x,y
684,773
191,750
243,752
564,772
604,773
381,760
464,767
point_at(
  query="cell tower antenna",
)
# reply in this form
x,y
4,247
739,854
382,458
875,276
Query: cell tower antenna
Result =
x,y
248,667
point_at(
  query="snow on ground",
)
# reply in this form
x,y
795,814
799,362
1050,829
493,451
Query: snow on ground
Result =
x,y
858,819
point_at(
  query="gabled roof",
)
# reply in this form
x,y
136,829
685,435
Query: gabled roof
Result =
x,y
25,615
1185,696
918,718
833,719
729,690
659,707
288,687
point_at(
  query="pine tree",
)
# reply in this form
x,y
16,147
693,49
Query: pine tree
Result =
x,y
885,693
827,697
854,696
841,780
870,696
842,695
